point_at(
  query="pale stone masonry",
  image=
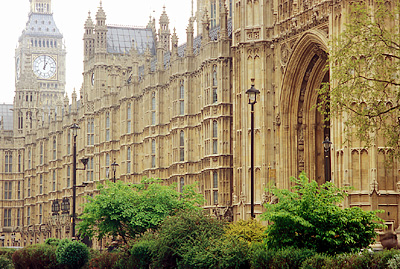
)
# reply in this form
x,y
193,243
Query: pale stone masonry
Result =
x,y
179,113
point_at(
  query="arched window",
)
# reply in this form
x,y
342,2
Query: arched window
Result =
x,y
181,98
54,180
107,165
54,148
90,169
214,84
40,214
153,109
213,13
128,119
90,131
8,162
153,153
68,176
215,137
19,162
29,159
69,143
181,146
215,180
41,184
41,153
128,160
108,126
181,184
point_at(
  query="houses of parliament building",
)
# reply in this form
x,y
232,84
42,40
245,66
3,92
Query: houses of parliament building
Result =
x,y
180,113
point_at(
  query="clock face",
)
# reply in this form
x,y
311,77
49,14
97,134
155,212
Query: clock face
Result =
x,y
18,67
44,66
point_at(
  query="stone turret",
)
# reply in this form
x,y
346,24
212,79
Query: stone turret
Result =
x,y
101,31
205,29
89,38
189,43
164,32
223,18
174,51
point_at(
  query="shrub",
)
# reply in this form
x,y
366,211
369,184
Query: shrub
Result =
x,y
52,241
260,256
36,256
232,252
187,239
394,263
8,252
308,216
290,257
5,262
250,231
381,258
319,260
73,254
141,252
105,260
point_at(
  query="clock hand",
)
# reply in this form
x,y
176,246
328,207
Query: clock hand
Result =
x,y
45,63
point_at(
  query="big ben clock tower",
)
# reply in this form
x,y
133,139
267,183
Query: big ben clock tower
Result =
x,y
39,66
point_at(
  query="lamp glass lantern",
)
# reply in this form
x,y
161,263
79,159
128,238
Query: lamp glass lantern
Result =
x,y
327,144
55,207
74,127
252,93
114,166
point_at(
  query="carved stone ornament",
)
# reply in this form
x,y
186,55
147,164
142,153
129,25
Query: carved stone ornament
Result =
x,y
374,187
284,54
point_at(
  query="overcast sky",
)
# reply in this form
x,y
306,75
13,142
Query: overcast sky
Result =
x,y
70,16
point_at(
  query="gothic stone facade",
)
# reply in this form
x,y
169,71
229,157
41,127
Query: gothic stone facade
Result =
x,y
180,113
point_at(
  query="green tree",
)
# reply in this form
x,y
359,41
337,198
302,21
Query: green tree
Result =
x,y
73,254
130,210
365,74
309,217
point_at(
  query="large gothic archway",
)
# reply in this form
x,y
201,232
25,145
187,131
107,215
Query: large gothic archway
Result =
x,y
303,128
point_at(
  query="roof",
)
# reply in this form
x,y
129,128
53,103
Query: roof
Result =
x,y
119,39
41,25
6,117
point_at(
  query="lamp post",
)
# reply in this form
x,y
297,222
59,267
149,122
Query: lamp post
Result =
x,y
252,94
74,127
114,169
327,154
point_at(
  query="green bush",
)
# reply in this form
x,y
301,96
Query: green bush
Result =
x,y
319,260
381,258
5,262
233,252
187,239
105,260
141,252
36,257
290,257
52,241
308,216
8,252
394,263
260,256
73,254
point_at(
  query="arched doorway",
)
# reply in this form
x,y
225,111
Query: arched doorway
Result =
x,y
304,128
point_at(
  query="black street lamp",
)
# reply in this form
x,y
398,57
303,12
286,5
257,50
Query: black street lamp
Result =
x,y
114,169
252,94
327,154
55,207
74,127
65,206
